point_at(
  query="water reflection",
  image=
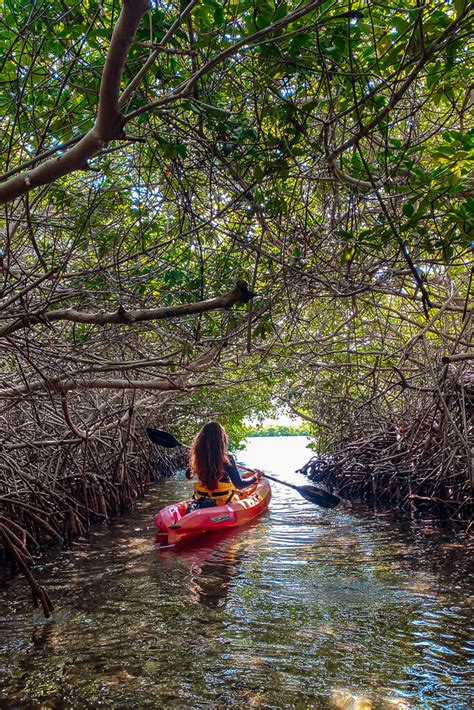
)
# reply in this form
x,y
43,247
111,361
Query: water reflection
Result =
x,y
306,608
213,564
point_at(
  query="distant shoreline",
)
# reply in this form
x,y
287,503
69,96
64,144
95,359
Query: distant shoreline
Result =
x,y
275,431
270,436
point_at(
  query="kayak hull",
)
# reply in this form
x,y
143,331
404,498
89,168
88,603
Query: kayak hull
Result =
x,y
173,522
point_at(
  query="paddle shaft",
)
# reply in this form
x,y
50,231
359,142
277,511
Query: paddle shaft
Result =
x,y
283,483
312,491
272,478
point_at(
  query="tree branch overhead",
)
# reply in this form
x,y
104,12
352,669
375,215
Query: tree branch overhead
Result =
x,y
109,123
239,294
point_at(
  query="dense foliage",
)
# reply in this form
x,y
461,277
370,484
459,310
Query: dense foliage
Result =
x,y
324,153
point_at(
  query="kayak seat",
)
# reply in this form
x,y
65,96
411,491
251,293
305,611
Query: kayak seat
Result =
x,y
201,503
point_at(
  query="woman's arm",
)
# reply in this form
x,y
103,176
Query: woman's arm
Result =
x,y
234,475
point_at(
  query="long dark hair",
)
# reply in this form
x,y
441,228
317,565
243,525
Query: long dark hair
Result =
x,y
208,457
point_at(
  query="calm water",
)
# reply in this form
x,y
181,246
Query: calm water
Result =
x,y
305,608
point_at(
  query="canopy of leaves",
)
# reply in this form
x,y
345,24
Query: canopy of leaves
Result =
x,y
323,153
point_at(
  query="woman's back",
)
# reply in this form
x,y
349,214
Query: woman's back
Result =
x,y
216,469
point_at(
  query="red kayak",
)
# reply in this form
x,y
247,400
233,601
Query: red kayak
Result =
x,y
173,521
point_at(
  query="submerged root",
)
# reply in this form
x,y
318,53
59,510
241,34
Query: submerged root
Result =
x,y
52,493
423,466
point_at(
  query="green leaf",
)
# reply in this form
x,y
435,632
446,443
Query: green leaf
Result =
x,y
181,150
281,11
399,23
218,15
433,78
297,43
448,251
345,234
459,6
263,20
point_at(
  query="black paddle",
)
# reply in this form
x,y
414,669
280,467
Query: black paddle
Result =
x,y
162,438
309,493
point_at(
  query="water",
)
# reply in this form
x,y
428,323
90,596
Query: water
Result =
x,y
304,608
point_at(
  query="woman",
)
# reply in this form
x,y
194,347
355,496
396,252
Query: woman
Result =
x,y
219,477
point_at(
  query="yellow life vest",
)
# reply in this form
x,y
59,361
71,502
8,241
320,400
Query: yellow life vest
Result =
x,y
222,494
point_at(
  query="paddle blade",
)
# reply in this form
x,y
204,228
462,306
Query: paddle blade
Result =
x,y
318,496
162,438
